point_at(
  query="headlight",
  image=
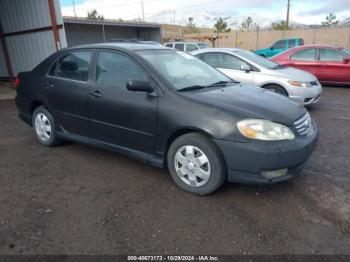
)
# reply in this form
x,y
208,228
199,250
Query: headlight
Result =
x,y
299,83
264,130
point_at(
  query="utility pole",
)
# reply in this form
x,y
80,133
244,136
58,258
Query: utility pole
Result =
x,y
75,14
143,11
288,8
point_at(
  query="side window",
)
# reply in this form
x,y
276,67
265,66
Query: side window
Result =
x,y
330,55
301,42
212,59
292,43
74,65
279,44
231,62
191,47
115,69
169,45
304,55
180,47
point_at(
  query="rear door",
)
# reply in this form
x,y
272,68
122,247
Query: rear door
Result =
x,y
66,88
306,59
334,69
119,116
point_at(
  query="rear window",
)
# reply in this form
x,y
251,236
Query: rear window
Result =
x,y
191,47
169,45
74,65
180,47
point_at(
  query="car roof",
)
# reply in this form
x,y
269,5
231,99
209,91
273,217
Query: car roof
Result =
x,y
126,46
213,49
190,42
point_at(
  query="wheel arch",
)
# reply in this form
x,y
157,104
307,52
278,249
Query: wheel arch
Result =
x,y
275,84
180,132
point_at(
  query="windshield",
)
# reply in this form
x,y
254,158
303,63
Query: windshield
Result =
x,y
346,51
257,59
181,69
202,45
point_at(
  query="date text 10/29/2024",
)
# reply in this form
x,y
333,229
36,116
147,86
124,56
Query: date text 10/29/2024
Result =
x,y
173,258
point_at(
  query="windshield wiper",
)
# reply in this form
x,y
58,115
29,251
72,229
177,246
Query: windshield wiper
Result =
x,y
190,88
223,83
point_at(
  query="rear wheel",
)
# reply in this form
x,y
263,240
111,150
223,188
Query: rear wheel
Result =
x,y
277,89
44,127
196,164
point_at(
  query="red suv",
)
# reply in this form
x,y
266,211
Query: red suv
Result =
x,y
331,65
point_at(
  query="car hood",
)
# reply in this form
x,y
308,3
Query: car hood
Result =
x,y
294,74
248,101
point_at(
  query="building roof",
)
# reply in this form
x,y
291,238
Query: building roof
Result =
x,y
109,22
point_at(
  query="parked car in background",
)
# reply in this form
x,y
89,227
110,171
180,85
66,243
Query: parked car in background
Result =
x,y
280,46
187,46
249,68
331,65
167,108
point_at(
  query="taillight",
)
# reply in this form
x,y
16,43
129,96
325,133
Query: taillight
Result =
x,y
17,82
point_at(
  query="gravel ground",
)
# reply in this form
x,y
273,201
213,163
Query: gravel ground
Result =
x,y
75,199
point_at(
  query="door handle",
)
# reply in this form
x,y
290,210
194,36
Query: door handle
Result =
x,y
96,94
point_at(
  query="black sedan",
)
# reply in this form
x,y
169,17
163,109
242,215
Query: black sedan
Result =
x,y
167,108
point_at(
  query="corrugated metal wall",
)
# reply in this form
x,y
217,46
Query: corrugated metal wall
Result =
x,y
77,34
29,49
3,68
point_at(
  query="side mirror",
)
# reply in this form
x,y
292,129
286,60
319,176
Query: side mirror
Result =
x,y
246,68
141,86
346,59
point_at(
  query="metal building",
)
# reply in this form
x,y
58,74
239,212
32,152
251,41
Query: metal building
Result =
x,y
84,31
30,30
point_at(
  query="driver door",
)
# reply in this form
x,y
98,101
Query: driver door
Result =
x,y
118,116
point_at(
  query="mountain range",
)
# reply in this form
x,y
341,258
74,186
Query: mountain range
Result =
x,y
207,20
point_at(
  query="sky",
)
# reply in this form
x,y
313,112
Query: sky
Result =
x,y
302,11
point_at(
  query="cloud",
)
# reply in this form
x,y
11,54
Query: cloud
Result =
x,y
333,6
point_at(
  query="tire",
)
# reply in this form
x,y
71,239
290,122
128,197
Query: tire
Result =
x,y
44,127
276,89
205,160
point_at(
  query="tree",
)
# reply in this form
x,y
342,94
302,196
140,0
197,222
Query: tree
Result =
x,y
246,24
330,20
221,25
280,26
93,15
191,27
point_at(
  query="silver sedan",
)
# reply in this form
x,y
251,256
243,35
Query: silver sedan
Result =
x,y
247,67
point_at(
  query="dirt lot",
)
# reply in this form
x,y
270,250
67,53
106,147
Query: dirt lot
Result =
x,y
75,199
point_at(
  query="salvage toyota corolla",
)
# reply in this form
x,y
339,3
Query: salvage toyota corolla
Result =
x,y
167,108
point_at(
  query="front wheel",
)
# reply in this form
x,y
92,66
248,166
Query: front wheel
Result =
x,y
196,164
44,127
276,89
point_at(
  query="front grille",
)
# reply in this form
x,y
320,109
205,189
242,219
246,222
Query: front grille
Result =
x,y
303,124
314,83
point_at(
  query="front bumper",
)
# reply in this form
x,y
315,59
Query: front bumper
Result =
x,y
305,95
246,162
